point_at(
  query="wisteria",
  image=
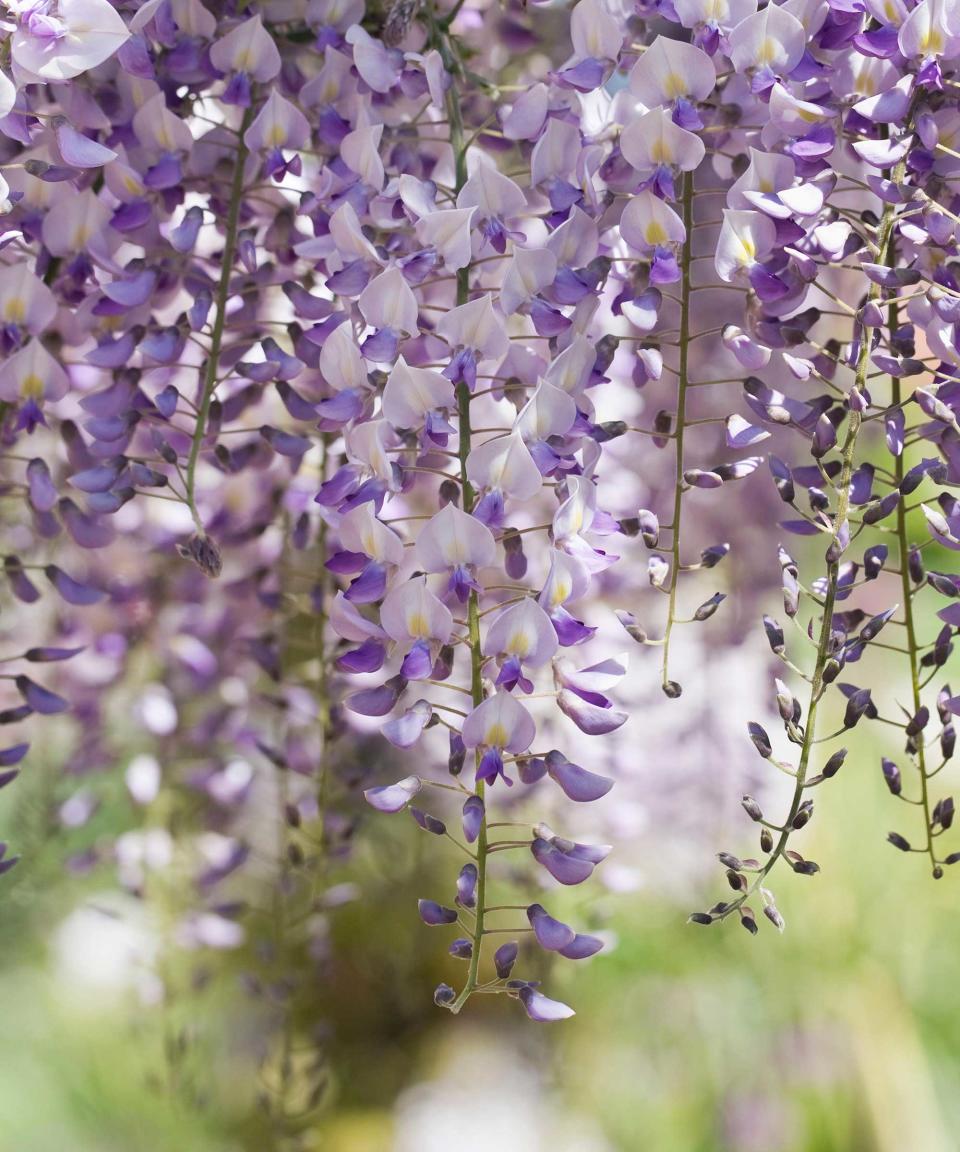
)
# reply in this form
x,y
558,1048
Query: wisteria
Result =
x,y
373,377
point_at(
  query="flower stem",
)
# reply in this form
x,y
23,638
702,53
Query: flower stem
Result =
x,y
669,687
460,145
909,619
910,623
212,365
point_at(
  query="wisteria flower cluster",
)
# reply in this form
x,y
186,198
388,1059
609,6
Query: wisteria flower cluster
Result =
x,y
336,343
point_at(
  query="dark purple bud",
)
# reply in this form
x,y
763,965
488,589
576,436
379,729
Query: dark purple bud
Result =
x,y
461,948
87,531
20,584
771,913
702,478
457,754
99,479
368,657
576,782
436,914
662,424
873,561
13,755
505,957
467,886
708,607
898,841
761,741
72,590
472,818
515,562
632,628
41,489
891,774
50,655
775,636
449,493
377,701
835,763
803,816
203,552
824,437
551,934
531,769
787,704
443,996
40,699
782,479
875,625
752,808
858,704
428,823
943,813
918,721
945,585
15,715
369,587
285,443
881,509
915,566
649,528
711,557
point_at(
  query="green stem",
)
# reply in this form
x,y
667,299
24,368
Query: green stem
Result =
x,y
439,36
212,364
323,678
908,613
910,623
669,686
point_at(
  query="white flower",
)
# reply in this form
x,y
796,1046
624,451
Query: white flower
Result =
x,y
59,39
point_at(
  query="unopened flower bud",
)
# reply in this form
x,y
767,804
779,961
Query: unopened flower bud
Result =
x,y
203,552
752,808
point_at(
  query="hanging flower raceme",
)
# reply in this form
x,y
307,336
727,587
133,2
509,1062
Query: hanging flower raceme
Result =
x,y
459,437
785,234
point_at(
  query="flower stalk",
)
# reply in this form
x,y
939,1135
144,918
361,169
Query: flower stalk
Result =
x,y
670,687
211,368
